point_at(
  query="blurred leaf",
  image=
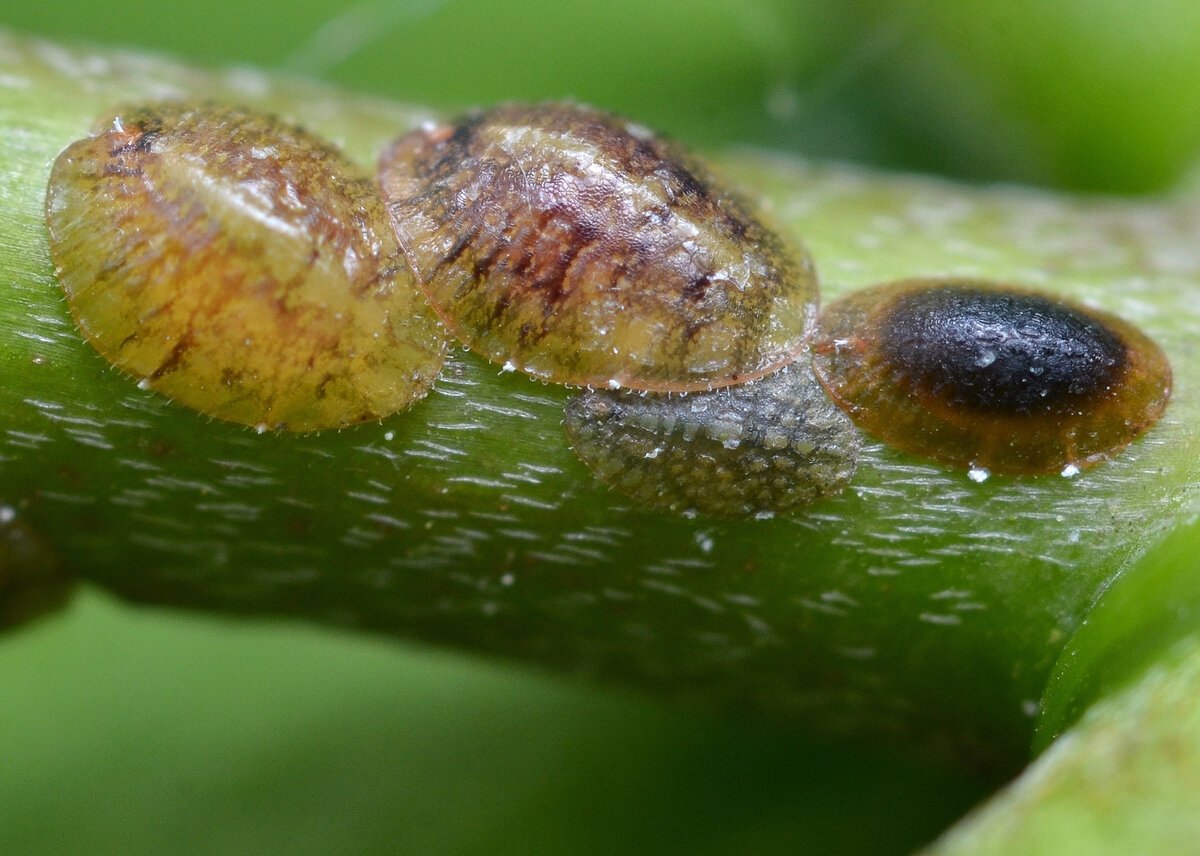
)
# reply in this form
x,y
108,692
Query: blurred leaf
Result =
x,y
1154,607
1122,781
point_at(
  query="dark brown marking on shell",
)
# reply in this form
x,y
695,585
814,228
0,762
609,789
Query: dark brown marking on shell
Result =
x,y
553,238
990,376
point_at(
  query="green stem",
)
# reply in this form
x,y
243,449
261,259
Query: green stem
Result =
x,y
918,606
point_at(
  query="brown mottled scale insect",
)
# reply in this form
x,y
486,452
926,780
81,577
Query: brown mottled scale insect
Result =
x,y
771,446
33,581
990,376
241,267
578,248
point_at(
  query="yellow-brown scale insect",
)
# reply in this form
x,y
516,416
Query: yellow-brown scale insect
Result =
x,y
240,266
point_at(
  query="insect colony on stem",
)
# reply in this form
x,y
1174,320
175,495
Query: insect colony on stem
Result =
x,y
246,269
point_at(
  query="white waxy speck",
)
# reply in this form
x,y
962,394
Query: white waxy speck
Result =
x,y
508,366
638,130
978,475
7,514
985,358
1070,471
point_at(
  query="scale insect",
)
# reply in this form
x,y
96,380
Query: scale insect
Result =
x,y
990,376
239,266
769,447
244,268
581,249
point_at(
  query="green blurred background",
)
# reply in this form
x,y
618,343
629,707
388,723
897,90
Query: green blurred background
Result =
x,y
1087,94
130,731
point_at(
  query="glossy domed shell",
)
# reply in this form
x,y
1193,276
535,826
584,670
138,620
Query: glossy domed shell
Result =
x,y
990,376
579,248
241,267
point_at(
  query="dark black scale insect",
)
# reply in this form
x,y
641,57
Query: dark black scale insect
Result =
x,y
990,376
